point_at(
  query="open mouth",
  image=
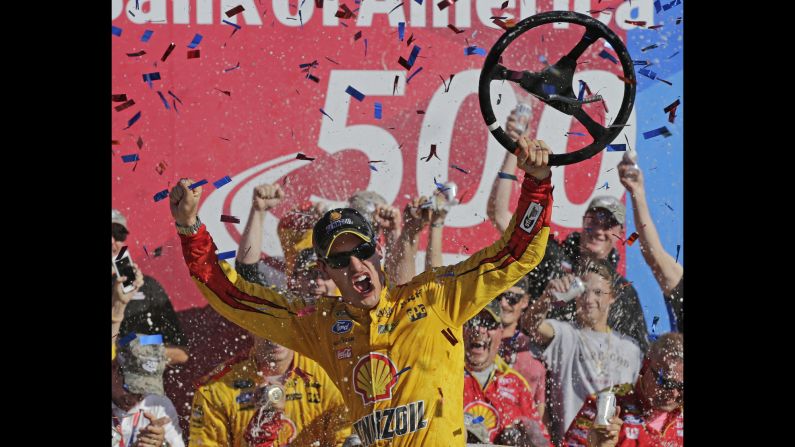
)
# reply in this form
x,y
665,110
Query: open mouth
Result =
x,y
479,346
362,283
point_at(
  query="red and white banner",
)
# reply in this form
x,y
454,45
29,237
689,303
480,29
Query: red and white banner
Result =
x,y
244,108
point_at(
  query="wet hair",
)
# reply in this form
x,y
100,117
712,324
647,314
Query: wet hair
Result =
x,y
602,268
524,284
667,347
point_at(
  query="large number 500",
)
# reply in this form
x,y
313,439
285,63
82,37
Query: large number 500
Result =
x,y
437,128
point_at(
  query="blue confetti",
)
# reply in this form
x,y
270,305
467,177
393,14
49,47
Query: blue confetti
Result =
x,y
124,341
543,59
149,77
439,186
402,371
605,55
413,74
156,339
413,56
163,98
195,42
605,186
226,255
226,70
659,131
478,419
648,73
579,134
161,195
146,251
418,1
222,181
324,113
673,55
401,30
197,184
115,30
634,62
355,93
616,147
237,27
505,175
365,47
372,168
678,247
378,110
132,121
469,51
581,93
129,158
459,168
549,89
147,34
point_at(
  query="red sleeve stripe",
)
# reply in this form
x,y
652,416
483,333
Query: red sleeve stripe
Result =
x,y
203,265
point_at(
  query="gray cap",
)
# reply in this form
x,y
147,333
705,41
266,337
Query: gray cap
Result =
x,y
143,361
117,217
365,202
611,204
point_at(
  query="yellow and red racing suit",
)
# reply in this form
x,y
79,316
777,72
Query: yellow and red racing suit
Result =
x,y
399,366
225,410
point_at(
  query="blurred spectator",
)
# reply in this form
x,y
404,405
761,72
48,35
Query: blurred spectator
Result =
x,y
648,412
229,407
668,273
516,347
119,301
498,402
584,356
149,310
137,395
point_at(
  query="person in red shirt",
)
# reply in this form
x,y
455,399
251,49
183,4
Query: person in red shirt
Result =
x,y
498,402
648,413
517,349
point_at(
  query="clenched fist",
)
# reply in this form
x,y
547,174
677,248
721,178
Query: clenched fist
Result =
x,y
266,197
184,203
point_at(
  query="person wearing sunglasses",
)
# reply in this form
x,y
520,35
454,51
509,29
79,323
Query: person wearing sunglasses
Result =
x,y
516,347
649,413
498,402
586,355
395,352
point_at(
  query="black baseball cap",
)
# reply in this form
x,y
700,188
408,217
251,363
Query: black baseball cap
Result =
x,y
337,222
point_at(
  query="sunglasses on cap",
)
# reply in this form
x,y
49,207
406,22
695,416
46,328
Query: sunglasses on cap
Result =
x,y
118,232
484,321
511,297
340,260
668,384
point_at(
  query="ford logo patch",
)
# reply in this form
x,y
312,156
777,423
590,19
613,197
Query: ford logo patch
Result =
x,y
342,326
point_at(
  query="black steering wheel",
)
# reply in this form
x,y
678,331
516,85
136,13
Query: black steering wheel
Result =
x,y
553,85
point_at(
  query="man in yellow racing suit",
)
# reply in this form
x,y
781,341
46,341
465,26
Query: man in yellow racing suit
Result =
x,y
228,408
395,353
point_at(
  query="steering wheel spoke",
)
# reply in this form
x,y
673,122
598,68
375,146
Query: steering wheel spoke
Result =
x,y
554,84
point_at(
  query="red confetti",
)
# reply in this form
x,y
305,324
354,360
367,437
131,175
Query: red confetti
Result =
x,y
168,51
234,11
504,4
301,156
232,219
432,154
127,104
636,22
161,167
455,29
118,98
357,36
225,92
632,237
193,54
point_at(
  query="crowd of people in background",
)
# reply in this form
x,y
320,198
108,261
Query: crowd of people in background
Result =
x,y
534,363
